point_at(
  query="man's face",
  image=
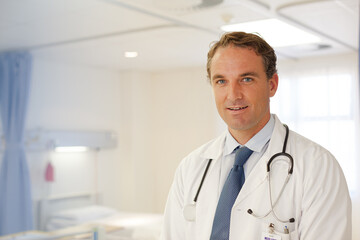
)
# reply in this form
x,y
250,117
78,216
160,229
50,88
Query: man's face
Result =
x,y
242,91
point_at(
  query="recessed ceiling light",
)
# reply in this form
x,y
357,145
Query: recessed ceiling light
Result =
x,y
277,33
131,54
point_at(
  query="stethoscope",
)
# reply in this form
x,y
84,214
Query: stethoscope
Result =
x,y
190,209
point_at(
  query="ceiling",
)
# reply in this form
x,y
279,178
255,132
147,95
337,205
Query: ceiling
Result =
x,y
166,34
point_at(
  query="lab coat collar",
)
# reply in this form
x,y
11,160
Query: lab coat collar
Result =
x,y
259,173
215,148
275,146
256,143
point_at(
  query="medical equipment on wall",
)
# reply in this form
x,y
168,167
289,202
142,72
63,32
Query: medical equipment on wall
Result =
x,y
190,209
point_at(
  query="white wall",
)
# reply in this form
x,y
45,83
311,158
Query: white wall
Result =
x,y
170,114
184,118
159,118
75,98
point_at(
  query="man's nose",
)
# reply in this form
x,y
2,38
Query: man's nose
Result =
x,y
235,91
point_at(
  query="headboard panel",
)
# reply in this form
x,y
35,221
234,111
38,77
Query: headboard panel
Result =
x,y
54,204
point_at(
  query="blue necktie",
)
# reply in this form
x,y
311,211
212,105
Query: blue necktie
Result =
x,y
232,186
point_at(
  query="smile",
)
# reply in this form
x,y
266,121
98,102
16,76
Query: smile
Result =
x,y
237,108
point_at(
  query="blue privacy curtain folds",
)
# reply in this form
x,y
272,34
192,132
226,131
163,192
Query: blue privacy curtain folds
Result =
x,y
15,188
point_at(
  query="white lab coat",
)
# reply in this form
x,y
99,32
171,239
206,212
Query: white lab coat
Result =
x,y
316,194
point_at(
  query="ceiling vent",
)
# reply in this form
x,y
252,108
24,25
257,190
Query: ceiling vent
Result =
x,y
306,50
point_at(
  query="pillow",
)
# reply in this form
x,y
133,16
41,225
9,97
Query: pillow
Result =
x,y
84,214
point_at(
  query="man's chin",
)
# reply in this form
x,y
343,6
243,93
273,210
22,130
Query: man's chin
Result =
x,y
238,127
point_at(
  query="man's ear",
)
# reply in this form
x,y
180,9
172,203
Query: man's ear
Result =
x,y
273,84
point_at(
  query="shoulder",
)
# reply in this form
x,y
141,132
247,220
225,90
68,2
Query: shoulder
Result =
x,y
313,163
301,148
322,189
309,157
307,149
210,150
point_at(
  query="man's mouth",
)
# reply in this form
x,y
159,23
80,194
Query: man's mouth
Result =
x,y
237,108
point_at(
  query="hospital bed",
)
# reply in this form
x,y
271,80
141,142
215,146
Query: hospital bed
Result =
x,y
77,216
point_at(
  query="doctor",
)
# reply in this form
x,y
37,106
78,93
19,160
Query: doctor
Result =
x,y
229,188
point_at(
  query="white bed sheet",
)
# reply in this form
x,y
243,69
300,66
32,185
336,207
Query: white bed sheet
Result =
x,y
136,226
131,226
71,217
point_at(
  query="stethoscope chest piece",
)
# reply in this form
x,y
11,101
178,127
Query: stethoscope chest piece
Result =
x,y
189,212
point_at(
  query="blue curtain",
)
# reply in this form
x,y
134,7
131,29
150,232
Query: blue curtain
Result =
x,y
15,188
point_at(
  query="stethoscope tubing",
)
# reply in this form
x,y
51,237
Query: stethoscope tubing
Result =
x,y
202,179
250,211
269,163
290,171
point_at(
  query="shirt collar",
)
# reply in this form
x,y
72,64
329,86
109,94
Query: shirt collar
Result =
x,y
256,143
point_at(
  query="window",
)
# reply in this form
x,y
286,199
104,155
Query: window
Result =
x,y
322,108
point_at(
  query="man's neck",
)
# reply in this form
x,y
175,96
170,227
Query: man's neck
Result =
x,y
243,136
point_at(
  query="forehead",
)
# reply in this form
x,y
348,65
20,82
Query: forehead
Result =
x,y
236,52
230,57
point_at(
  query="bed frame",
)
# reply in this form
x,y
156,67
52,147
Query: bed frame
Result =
x,y
45,207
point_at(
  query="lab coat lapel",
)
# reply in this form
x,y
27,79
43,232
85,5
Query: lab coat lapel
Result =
x,y
258,175
207,201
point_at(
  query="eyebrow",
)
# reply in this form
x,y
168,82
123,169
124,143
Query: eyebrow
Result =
x,y
254,74
217,76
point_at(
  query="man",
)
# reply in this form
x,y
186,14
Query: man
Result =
x,y
303,196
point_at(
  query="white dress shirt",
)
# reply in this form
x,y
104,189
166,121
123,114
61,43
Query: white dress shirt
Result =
x,y
258,144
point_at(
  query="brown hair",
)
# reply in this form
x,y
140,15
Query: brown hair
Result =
x,y
246,40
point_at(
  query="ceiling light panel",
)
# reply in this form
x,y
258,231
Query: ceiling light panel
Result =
x,y
277,33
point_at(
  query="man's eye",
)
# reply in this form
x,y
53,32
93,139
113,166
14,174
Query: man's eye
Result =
x,y
247,79
220,81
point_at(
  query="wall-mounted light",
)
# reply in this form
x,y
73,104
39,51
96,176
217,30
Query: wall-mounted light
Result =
x,y
44,140
81,141
277,33
131,54
71,149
